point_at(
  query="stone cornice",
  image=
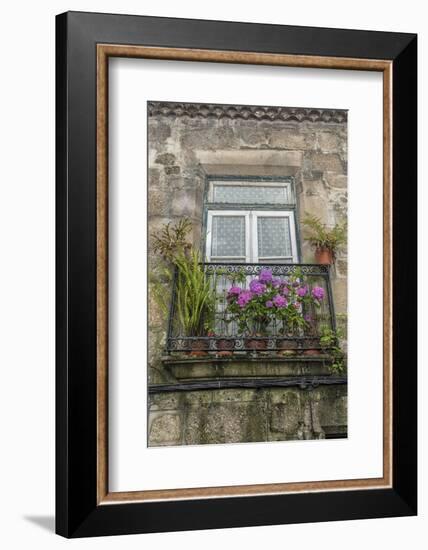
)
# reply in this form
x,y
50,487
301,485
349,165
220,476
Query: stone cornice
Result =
x,y
245,112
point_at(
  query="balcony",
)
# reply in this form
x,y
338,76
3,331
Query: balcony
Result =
x,y
226,335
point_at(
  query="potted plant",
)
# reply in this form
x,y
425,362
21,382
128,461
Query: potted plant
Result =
x,y
224,345
294,322
269,299
326,241
251,309
194,300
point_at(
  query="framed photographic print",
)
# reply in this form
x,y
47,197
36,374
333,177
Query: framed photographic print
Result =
x,y
236,264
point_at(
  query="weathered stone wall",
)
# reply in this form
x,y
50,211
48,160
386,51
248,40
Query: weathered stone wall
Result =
x,y
186,147
247,415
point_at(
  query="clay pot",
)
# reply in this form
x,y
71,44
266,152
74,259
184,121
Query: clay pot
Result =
x,y
286,347
312,351
199,348
324,256
255,345
225,347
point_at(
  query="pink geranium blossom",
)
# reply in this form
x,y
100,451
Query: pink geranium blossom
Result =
x,y
265,276
234,290
257,287
279,301
244,297
318,293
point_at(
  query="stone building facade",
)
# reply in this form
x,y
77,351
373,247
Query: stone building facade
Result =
x,y
189,144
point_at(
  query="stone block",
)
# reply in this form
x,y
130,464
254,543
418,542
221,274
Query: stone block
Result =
x,y
165,401
237,395
342,267
327,162
339,181
287,139
159,202
154,178
251,134
157,317
226,423
331,405
167,159
172,170
288,412
183,203
329,141
209,139
165,429
340,294
159,132
197,398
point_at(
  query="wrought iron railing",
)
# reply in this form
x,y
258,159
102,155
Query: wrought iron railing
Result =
x,y
225,334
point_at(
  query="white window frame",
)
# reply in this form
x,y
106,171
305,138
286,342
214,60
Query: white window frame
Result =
x,y
251,237
250,183
255,214
241,213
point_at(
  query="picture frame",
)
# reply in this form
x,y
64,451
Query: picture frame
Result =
x,y
84,44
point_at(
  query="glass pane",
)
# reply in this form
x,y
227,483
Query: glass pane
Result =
x,y
228,236
250,194
273,237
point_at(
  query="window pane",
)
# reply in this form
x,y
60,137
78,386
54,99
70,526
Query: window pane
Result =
x,y
250,194
228,236
273,237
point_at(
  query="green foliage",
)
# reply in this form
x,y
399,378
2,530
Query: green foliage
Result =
x,y
235,277
172,239
158,283
271,299
330,342
322,237
194,298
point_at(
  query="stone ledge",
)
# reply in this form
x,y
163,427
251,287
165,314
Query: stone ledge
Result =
x,y
205,368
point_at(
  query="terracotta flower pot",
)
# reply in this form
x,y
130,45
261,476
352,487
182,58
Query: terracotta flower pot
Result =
x,y
286,347
324,256
255,345
199,348
309,350
225,347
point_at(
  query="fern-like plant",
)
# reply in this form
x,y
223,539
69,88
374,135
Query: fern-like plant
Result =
x,y
172,239
194,298
322,237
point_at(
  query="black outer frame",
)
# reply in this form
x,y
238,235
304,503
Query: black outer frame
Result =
x,y
77,513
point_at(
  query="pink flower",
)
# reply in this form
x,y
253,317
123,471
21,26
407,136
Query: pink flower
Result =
x,y
257,287
279,301
318,293
269,303
302,291
244,297
265,276
234,290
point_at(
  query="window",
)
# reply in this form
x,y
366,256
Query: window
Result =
x,y
250,192
251,235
